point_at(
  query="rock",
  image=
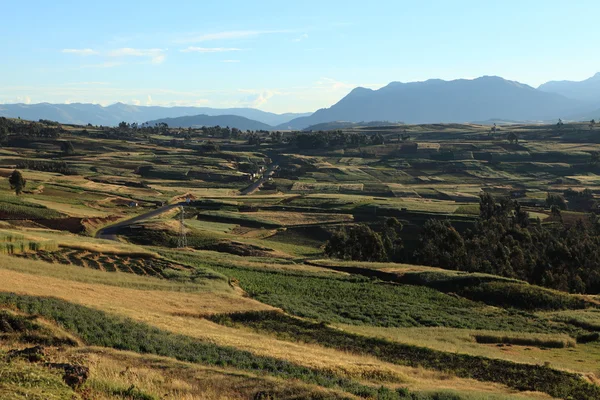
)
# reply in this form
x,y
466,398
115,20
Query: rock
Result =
x,y
31,354
74,375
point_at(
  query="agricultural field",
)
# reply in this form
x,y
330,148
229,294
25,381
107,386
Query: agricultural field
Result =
x,y
136,267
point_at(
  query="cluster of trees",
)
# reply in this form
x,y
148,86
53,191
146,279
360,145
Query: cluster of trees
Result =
x,y
47,166
580,200
505,243
577,200
360,242
320,140
28,129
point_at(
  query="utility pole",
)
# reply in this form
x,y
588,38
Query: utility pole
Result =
x,y
182,240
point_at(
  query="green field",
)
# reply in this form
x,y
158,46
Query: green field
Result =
x,y
251,304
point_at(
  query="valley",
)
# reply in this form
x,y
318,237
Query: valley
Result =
x,y
336,264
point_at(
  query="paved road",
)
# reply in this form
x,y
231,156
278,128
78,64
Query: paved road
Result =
x,y
110,232
258,184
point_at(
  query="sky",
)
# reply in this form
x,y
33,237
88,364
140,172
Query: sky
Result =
x,y
281,56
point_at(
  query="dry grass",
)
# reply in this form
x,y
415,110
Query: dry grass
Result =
x,y
65,239
581,358
138,304
181,312
166,378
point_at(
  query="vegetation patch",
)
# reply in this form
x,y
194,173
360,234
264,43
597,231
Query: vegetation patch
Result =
x,y
524,341
100,329
357,300
519,376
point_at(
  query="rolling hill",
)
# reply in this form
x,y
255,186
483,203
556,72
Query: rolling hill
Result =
x,y
95,114
436,100
196,121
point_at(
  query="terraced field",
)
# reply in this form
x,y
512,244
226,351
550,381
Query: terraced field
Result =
x,y
133,264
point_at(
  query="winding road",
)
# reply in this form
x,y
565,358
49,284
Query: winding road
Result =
x,y
110,232
258,184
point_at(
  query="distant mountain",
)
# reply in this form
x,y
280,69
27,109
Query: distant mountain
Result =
x,y
435,100
196,121
82,114
587,90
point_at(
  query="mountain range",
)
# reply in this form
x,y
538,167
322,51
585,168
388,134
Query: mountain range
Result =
x,y
460,100
587,90
95,114
433,101
198,121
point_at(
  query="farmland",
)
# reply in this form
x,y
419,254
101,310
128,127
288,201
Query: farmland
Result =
x,y
253,306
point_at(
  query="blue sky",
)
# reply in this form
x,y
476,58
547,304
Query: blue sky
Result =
x,y
281,56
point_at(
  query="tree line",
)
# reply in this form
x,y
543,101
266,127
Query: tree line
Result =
x,y
20,128
338,138
503,242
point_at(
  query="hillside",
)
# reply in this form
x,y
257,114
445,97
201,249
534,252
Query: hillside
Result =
x,y
95,114
436,100
328,126
374,262
586,90
197,121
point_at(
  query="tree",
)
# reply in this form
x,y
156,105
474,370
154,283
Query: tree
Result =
x,y
559,124
440,245
377,139
555,211
17,182
556,200
513,138
358,243
67,148
390,236
592,124
3,133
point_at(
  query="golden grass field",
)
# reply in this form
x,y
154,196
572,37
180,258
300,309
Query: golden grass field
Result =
x,y
182,313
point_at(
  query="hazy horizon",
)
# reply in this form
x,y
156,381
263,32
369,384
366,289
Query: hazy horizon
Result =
x,y
292,58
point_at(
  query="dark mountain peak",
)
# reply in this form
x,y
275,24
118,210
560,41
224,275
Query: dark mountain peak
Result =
x,y
360,90
453,101
586,90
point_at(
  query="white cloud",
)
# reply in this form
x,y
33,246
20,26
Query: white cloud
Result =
x,y
136,102
17,100
193,49
149,100
187,103
257,98
301,38
227,35
158,59
80,52
156,55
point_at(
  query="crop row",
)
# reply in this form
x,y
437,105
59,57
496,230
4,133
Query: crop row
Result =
x,y
97,328
518,376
